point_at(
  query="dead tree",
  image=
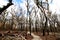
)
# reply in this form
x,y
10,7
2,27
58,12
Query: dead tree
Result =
x,y
5,7
39,5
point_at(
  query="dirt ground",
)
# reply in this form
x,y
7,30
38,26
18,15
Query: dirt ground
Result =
x,y
52,36
33,36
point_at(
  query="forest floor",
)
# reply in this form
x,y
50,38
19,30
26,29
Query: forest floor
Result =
x,y
33,36
51,36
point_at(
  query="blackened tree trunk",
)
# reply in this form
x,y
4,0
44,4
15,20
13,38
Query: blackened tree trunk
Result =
x,y
30,25
29,17
5,7
36,25
43,11
21,26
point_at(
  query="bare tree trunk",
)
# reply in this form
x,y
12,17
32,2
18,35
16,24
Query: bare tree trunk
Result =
x,y
36,25
30,25
5,7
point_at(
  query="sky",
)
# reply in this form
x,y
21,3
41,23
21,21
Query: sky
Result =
x,y
54,4
4,2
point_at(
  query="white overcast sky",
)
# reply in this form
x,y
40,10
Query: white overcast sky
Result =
x,y
54,6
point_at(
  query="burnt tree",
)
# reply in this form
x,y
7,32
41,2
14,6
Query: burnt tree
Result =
x,y
5,7
40,6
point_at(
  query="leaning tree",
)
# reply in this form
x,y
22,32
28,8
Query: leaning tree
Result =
x,y
5,7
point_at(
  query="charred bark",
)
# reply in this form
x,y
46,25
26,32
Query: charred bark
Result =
x,y
5,7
